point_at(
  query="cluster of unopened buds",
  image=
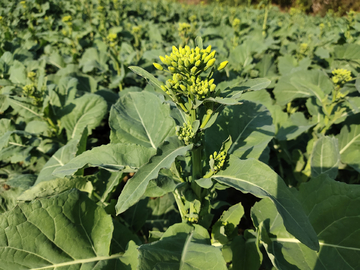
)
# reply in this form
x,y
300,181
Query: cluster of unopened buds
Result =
x,y
218,160
186,65
111,38
185,133
341,76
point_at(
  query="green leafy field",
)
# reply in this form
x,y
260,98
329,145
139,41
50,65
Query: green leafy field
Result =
x,y
155,135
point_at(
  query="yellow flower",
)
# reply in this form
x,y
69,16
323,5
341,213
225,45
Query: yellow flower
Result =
x,y
66,18
111,37
183,27
303,48
341,76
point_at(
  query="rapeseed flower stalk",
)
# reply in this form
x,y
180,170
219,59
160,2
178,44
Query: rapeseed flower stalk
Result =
x,y
341,76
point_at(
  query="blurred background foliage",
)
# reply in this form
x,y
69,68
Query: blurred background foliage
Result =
x,y
321,7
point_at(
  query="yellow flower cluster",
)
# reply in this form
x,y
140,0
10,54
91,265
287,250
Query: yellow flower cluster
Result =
x,y
66,18
218,160
341,76
111,37
23,3
185,133
303,48
184,27
186,64
29,90
31,75
236,23
189,61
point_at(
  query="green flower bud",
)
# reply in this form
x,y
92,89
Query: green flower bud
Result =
x,y
198,62
174,64
163,88
158,66
162,59
172,69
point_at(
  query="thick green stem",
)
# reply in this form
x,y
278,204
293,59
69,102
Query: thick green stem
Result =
x,y
196,170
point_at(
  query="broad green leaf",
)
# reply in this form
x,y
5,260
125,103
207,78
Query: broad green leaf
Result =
x,y
253,176
249,125
24,106
245,252
94,59
11,188
357,85
302,84
336,227
288,64
256,84
136,187
163,214
325,157
86,111
182,247
349,146
18,73
56,186
294,126
223,229
140,118
143,73
64,231
59,159
16,146
347,52
112,157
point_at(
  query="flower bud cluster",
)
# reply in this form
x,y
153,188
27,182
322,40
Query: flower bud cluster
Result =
x,y
219,160
341,76
185,133
189,61
111,37
186,65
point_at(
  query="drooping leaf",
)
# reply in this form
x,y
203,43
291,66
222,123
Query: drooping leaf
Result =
x,y
136,187
325,157
113,157
253,176
140,118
